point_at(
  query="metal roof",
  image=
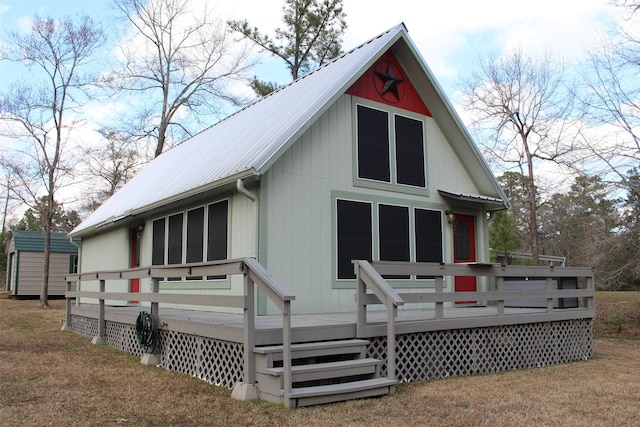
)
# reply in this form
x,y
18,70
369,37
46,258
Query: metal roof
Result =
x,y
492,203
249,141
243,143
33,241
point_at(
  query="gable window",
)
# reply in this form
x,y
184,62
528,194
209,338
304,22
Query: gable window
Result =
x,y
390,150
373,144
192,237
385,231
409,151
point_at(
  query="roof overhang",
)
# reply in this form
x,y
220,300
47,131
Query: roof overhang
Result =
x,y
490,203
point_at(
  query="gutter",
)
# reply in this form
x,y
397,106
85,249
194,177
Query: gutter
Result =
x,y
251,196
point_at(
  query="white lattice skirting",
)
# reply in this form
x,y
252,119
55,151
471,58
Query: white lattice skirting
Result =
x,y
461,352
419,356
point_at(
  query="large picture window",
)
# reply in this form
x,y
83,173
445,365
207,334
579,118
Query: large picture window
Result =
x,y
192,236
399,233
390,152
354,235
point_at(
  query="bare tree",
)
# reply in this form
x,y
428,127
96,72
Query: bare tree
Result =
x,y
525,110
111,164
311,37
40,114
178,65
610,96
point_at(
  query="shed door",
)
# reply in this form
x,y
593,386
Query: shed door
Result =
x,y
464,248
134,284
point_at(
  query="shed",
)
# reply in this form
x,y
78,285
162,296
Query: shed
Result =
x,y
25,257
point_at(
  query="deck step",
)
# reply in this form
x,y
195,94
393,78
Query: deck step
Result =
x,y
316,395
315,349
329,370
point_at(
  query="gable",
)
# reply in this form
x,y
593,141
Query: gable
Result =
x,y
387,82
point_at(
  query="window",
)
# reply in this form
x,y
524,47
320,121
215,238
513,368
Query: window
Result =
x,y
390,153
373,144
157,251
404,233
195,232
217,231
409,151
198,234
428,235
354,235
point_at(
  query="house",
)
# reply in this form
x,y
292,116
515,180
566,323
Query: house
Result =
x,y
250,240
25,257
363,158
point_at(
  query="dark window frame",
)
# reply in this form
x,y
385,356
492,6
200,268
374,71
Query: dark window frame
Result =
x,y
406,158
413,224
194,220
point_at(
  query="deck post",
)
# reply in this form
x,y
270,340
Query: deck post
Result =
x,y
549,289
153,359
100,338
392,312
439,290
247,389
361,305
67,320
500,302
286,352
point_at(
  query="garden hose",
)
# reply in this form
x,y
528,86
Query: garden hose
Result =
x,y
146,330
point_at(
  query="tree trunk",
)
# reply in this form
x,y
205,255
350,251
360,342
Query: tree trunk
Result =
x,y
44,290
533,210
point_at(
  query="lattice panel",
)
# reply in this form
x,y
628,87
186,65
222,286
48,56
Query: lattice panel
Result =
x,y
84,326
460,352
123,337
214,361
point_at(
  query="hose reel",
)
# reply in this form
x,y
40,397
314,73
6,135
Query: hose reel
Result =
x,y
146,331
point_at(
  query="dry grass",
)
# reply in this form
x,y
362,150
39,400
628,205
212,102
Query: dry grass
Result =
x,y
49,377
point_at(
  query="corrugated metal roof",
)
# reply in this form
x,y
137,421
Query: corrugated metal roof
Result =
x,y
243,143
33,241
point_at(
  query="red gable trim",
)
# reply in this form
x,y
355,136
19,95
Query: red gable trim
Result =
x,y
397,93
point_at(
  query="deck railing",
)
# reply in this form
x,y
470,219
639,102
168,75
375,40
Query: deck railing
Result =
x,y
254,274
370,277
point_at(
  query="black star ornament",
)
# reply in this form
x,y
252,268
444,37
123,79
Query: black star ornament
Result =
x,y
391,82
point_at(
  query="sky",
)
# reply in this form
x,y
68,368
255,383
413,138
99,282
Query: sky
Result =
x,y
451,36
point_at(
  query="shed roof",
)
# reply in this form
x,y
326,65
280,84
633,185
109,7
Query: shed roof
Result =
x,y
33,241
249,141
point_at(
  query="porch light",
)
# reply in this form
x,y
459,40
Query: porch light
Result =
x,y
451,216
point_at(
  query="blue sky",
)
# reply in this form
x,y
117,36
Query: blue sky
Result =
x,y
451,35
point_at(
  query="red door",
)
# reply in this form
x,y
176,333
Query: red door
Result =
x,y
464,249
134,284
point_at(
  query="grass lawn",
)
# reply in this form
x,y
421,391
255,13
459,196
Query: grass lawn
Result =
x,y
49,377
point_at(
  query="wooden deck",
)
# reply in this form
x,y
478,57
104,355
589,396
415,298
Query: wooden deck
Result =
x,y
387,340
304,327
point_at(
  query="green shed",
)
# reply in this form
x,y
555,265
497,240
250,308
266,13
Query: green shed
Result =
x,y
25,258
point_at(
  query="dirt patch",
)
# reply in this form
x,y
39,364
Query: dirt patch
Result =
x,y
50,377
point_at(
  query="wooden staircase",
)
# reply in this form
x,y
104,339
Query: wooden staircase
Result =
x,y
321,372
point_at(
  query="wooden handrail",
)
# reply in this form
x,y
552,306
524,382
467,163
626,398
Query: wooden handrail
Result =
x,y
370,276
254,274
